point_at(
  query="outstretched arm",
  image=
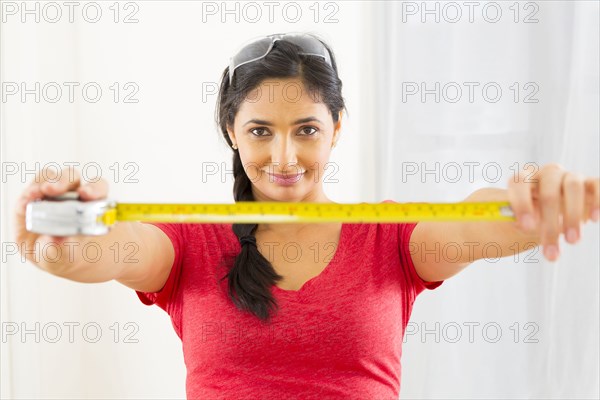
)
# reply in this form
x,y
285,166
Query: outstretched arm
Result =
x,y
546,203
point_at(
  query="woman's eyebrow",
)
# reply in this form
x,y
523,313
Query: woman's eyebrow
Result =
x,y
297,122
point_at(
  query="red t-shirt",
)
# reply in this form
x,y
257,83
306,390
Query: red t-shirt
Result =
x,y
339,336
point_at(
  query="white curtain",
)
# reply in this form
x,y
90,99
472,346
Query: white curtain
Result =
x,y
168,137
518,327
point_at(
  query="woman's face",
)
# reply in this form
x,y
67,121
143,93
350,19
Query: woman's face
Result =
x,y
280,130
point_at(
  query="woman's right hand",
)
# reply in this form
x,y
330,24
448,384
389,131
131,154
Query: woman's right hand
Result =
x,y
146,269
51,183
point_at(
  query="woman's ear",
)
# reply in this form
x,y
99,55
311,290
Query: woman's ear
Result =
x,y
231,136
336,130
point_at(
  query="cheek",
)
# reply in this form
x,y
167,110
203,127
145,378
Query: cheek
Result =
x,y
319,164
255,152
251,157
250,165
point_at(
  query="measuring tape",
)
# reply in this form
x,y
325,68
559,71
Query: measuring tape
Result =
x,y
65,216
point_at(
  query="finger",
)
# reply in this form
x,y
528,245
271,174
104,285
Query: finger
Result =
x,y
592,194
55,183
550,204
93,190
573,190
520,197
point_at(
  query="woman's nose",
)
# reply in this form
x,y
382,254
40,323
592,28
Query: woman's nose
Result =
x,y
283,154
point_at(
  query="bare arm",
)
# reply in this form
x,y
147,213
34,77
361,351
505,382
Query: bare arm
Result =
x,y
134,254
441,250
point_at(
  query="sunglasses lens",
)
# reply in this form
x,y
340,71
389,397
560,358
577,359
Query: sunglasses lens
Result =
x,y
307,44
252,51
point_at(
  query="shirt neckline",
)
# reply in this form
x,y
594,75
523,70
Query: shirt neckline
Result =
x,y
314,280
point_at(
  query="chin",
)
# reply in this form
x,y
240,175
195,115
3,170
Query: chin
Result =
x,y
285,194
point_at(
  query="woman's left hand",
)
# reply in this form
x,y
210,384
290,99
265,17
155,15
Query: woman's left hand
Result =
x,y
550,200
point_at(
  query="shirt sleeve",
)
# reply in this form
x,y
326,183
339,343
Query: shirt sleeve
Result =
x,y
165,297
404,232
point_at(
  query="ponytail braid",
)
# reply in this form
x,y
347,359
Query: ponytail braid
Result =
x,y
252,275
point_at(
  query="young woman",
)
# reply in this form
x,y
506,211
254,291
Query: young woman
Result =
x,y
277,311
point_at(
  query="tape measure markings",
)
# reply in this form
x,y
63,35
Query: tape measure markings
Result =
x,y
284,212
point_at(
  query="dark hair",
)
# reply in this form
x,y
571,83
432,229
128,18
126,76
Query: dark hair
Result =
x,y
252,275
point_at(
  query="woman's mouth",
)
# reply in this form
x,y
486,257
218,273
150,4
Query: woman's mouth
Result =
x,y
285,179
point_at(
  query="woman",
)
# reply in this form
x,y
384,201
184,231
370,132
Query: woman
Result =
x,y
303,310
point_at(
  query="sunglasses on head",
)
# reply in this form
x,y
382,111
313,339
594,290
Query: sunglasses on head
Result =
x,y
259,48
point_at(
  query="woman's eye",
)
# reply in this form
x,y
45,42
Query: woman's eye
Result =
x,y
257,129
309,127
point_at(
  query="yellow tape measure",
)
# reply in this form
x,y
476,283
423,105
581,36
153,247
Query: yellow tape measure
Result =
x,y
66,215
283,212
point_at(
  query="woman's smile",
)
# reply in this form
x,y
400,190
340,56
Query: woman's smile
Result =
x,y
285,179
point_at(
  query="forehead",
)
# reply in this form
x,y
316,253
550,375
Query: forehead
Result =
x,y
281,99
